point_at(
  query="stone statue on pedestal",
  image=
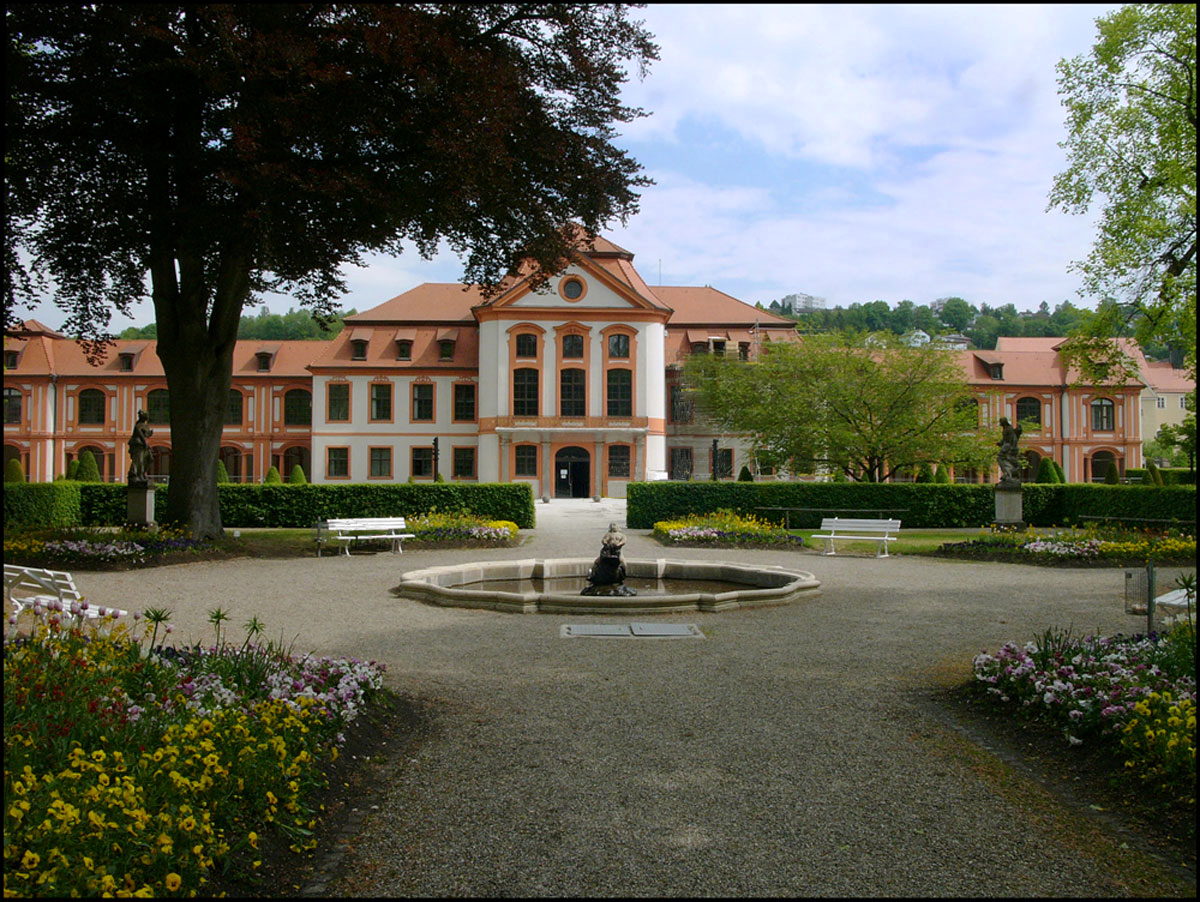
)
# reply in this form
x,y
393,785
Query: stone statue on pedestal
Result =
x,y
1008,458
139,450
607,576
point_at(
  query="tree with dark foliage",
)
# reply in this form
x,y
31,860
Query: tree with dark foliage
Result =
x,y
228,150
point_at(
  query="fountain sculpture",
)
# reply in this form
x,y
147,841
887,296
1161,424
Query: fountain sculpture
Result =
x,y
607,576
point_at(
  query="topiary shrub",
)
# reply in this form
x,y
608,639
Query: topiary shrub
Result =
x,y
89,471
924,473
1111,476
222,473
439,477
1046,472
1154,473
1062,477
296,477
745,475
13,471
272,477
73,469
942,476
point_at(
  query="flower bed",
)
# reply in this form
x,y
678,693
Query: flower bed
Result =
x,y
724,528
131,768
1136,696
1082,547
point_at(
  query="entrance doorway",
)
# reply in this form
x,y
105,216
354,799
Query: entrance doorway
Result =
x,y
572,473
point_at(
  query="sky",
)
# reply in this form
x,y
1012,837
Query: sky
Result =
x,y
850,152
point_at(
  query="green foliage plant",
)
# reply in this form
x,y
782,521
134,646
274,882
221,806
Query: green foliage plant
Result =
x,y
942,475
744,475
89,471
13,471
296,477
272,477
42,504
1112,476
1062,477
1045,472
924,472
73,469
222,473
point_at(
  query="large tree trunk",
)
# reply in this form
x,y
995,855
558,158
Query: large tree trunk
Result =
x,y
198,378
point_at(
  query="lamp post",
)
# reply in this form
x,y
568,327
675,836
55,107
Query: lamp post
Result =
x,y
435,458
714,463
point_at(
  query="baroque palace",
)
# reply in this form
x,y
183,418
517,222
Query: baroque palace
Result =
x,y
573,388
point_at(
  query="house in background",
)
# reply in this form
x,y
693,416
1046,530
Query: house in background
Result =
x,y
574,388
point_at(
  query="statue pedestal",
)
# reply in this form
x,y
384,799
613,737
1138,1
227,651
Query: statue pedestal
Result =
x,y
1009,512
139,504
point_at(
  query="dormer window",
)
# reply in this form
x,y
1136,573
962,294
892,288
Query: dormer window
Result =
x,y
446,350
358,349
996,370
10,360
126,362
404,350
700,347
264,361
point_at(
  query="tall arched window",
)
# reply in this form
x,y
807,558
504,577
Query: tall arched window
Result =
x,y
297,408
91,407
620,393
572,394
525,393
1103,415
1029,410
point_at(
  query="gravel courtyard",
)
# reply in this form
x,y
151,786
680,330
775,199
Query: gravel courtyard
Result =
x,y
789,752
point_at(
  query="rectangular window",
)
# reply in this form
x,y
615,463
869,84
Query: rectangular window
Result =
x,y
526,345
718,348
525,393
464,463
572,347
12,406
422,463
422,402
464,402
297,408
743,350
618,461
620,393
1102,416
158,407
573,395
10,360
91,407
447,351
381,401
680,410
337,402
525,458
1182,403
1160,403
404,350
380,463
233,410
681,463
337,463
358,349
618,346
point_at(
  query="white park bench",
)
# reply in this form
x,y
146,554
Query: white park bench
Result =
x,y
868,530
26,586
362,529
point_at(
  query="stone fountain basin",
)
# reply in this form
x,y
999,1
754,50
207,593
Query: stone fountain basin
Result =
x,y
756,585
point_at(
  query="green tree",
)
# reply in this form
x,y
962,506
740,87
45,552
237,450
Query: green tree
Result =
x,y
296,477
942,475
89,470
924,472
1131,144
222,473
866,411
272,477
225,151
956,314
1111,475
73,469
13,471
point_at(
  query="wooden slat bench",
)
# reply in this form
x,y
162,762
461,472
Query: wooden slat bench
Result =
x,y
26,586
869,530
359,529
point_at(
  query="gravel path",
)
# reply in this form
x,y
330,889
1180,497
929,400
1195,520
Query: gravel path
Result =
x,y
787,753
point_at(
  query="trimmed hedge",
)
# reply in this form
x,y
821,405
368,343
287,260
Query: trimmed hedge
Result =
x,y
1170,475
33,504
284,505
925,505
